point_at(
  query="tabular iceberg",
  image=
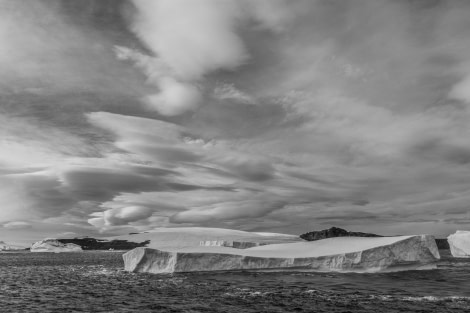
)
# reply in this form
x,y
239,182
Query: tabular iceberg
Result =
x,y
459,244
334,254
53,245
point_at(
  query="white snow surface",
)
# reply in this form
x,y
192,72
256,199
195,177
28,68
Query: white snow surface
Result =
x,y
186,237
7,247
53,245
459,244
305,249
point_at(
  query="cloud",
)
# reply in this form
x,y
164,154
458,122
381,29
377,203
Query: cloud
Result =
x,y
461,90
246,167
174,98
191,40
229,92
123,216
27,142
273,115
44,50
17,225
231,210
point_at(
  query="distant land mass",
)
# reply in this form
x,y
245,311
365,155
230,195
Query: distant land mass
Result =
x,y
88,243
332,232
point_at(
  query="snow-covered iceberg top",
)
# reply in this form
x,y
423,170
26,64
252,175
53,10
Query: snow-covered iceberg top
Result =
x,y
53,245
459,244
230,243
7,247
358,254
185,237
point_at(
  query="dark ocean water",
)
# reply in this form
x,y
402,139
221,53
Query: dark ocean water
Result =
x,y
95,282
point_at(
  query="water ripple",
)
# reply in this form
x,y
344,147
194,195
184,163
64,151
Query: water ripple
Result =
x,y
96,282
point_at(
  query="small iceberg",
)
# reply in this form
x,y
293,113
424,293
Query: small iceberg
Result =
x,y
7,247
459,244
53,245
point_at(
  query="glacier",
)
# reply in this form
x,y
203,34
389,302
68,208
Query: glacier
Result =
x,y
53,245
459,244
344,254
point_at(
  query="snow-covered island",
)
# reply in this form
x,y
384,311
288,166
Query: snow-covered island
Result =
x,y
53,245
459,244
181,250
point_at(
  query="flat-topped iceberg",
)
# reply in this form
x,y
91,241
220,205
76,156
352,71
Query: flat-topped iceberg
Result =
x,y
185,237
357,254
53,245
7,247
459,244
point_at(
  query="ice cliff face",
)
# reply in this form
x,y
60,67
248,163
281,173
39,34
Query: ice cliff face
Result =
x,y
459,244
6,247
53,245
335,254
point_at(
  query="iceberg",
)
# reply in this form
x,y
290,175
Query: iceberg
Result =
x,y
53,245
7,247
185,237
344,254
459,244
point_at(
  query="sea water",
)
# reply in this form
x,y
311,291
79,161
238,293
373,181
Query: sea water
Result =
x,y
95,282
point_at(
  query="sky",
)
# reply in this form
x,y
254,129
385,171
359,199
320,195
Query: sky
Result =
x,y
121,116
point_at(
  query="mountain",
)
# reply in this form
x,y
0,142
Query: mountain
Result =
x,y
100,244
333,232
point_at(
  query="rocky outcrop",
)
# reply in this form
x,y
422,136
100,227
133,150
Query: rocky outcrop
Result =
x,y
7,247
53,245
332,233
460,244
334,254
101,244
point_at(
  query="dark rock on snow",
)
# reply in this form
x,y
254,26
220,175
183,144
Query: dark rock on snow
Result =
x,y
100,244
442,244
334,232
